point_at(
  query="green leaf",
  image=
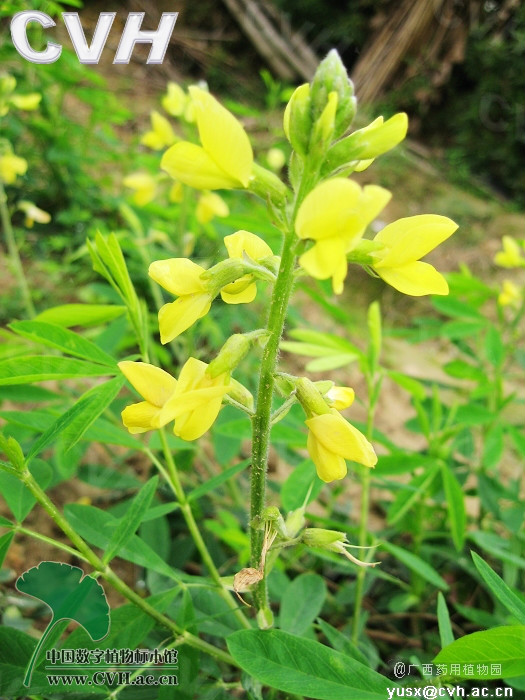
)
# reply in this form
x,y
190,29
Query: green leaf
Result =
x,y
240,428
323,364
497,546
341,642
450,306
40,368
326,340
493,447
132,518
456,506
416,564
304,667
445,628
17,496
411,493
400,463
494,348
79,417
214,482
70,595
464,370
413,386
62,339
501,646
95,402
15,649
500,589
301,603
5,542
96,527
81,314
296,487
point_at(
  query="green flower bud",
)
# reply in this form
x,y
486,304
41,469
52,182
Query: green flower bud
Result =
x,y
232,352
297,122
13,452
239,393
367,143
310,398
332,540
295,522
331,76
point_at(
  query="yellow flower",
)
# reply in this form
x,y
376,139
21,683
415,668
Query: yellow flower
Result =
x,y
332,440
379,137
161,135
405,241
193,401
210,205
340,397
175,100
176,193
27,102
335,214
225,158
144,186
510,294
181,277
511,255
244,289
10,167
33,213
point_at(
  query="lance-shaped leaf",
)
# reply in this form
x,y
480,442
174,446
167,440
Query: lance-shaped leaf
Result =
x,y
71,596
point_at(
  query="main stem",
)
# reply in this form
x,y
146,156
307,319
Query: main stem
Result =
x,y
261,422
187,513
14,256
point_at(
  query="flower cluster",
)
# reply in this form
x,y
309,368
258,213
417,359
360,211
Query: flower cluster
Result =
x,y
324,216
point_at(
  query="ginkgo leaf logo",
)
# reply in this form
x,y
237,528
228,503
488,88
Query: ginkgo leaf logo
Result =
x,y
70,595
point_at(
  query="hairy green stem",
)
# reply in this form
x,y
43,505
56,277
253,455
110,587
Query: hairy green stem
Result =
x,y
261,422
175,483
117,583
14,255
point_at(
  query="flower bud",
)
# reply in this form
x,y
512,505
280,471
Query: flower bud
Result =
x,y
295,522
332,540
239,393
367,143
232,352
297,122
331,76
310,398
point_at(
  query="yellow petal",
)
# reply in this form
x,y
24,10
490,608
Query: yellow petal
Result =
x,y
180,276
210,205
341,397
244,241
415,279
139,417
325,259
222,136
178,316
10,167
372,202
174,102
340,437
329,210
194,424
162,135
152,383
191,165
411,238
182,403
246,292
143,184
27,102
329,465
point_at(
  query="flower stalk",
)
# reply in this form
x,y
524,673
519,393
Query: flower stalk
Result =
x,y
261,422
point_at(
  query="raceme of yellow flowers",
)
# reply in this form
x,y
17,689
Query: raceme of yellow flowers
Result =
x,y
327,214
